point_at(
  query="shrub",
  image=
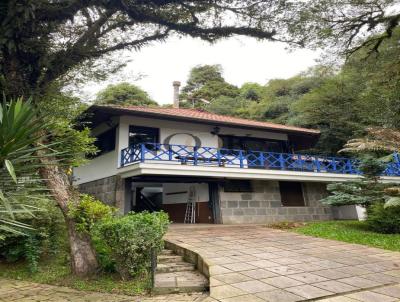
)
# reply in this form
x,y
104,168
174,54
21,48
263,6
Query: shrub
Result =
x,y
86,215
44,238
384,220
89,211
131,238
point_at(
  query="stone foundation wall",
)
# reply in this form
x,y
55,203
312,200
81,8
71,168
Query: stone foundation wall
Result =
x,y
110,190
263,205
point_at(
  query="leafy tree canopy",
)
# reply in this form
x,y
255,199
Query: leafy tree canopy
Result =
x,y
124,94
252,91
346,26
44,41
206,83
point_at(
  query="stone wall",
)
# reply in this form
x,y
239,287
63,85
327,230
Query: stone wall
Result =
x,y
263,205
110,190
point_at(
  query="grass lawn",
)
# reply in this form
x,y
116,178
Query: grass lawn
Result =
x,y
350,231
56,271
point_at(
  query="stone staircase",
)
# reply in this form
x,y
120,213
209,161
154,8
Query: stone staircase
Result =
x,y
174,275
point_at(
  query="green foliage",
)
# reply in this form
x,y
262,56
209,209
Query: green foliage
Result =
x,y
352,232
364,93
392,201
32,249
20,129
103,252
379,100
131,238
252,91
330,108
206,82
384,142
88,212
380,199
364,192
56,270
45,42
344,26
43,239
227,105
371,167
383,219
72,140
124,94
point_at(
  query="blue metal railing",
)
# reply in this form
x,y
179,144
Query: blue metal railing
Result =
x,y
209,156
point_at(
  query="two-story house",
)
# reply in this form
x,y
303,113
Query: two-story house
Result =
x,y
236,170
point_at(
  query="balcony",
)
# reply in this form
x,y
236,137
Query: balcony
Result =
x,y
231,158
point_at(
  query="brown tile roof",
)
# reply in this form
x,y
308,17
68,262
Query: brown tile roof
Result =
x,y
203,116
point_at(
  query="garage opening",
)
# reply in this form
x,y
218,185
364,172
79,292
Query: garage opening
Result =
x,y
172,198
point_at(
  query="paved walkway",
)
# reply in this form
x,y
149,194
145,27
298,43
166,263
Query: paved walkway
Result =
x,y
257,264
22,291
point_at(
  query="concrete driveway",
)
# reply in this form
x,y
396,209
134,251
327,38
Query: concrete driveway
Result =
x,y
257,264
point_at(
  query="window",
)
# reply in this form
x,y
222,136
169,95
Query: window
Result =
x,y
105,142
291,194
231,185
253,144
143,135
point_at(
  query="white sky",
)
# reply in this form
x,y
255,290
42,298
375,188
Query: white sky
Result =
x,y
243,60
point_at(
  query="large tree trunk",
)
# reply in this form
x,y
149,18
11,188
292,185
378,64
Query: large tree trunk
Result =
x,y
83,256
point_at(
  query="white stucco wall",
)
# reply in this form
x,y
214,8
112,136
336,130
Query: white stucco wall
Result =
x,y
201,191
202,131
104,165
100,167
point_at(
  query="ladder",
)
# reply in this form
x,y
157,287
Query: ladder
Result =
x,y
190,214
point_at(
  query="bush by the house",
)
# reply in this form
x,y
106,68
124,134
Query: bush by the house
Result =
x,y
86,215
383,220
88,212
131,239
43,238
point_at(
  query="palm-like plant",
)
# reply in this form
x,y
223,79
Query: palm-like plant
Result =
x,y
384,140
20,132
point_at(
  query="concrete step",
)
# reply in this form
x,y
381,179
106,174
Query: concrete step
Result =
x,y
180,282
171,267
167,252
169,259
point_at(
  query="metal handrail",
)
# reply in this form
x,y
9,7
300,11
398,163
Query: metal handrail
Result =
x,y
203,156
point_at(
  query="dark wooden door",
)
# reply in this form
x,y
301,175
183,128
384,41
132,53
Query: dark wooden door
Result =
x,y
291,194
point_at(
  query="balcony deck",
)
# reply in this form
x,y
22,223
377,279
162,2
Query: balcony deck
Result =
x,y
209,158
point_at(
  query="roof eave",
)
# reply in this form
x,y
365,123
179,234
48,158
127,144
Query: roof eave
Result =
x,y
127,111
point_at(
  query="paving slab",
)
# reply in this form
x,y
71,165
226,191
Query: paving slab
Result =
x,y
254,263
369,296
23,291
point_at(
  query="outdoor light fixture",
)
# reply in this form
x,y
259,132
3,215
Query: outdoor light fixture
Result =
x,y
215,131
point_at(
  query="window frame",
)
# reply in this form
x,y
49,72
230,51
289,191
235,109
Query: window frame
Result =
x,y
228,143
100,138
140,130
